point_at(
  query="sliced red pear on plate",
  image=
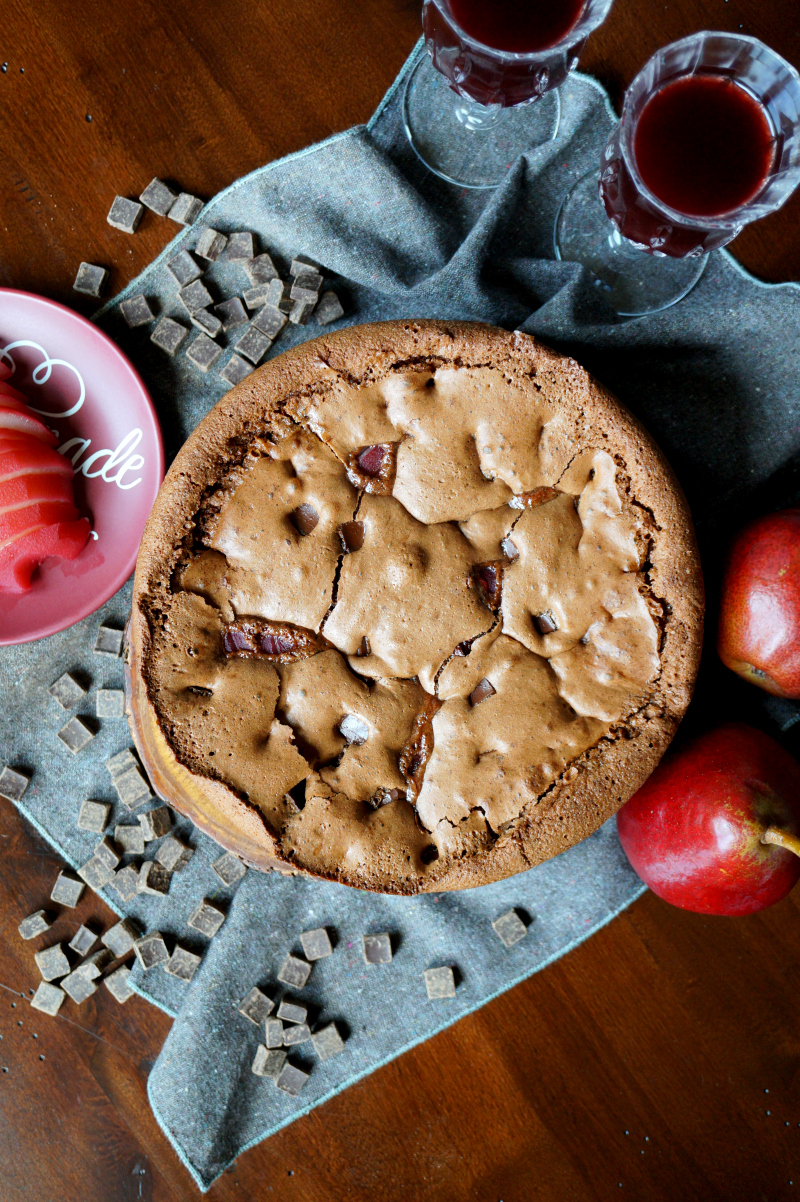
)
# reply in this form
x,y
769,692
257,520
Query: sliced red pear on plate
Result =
x,y
19,559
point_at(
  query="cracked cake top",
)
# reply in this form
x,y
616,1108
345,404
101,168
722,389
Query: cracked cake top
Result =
x,y
418,606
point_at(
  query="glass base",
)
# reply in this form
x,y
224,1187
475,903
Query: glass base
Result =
x,y
468,143
635,283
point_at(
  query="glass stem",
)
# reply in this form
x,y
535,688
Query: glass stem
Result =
x,y
476,116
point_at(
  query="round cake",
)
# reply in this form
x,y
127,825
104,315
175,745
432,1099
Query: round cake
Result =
x,y
418,606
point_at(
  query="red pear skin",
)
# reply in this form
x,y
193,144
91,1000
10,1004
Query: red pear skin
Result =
x,y
693,831
759,622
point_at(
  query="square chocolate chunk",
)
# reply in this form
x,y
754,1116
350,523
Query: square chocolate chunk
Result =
x,y
440,983
209,323
121,763
268,1063
260,270
13,784
256,1006
256,296
301,264
93,965
327,1042
210,244
155,823
96,873
235,370
48,999
158,197
301,311
118,985
206,919
231,313
126,882
51,962
229,868
75,735
67,890
329,308
136,311
173,854
93,816
306,286
151,950
279,296
316,944
110,703
35,924
377,949
186,209
195,296
130,838
274,1033
125,214
83,940
203,352
79,986
294,972
291,1079
120,938
132,788
288,1012
153,879
66,691
90,279
510,928
253,345
183,964
184,269
108,642
240,245
169,335
296,1033
270,321
107,854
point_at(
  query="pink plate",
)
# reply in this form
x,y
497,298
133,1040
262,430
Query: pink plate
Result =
x,y
89,394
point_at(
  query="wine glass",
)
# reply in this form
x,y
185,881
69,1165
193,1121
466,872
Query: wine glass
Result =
x,y
709,140
504,60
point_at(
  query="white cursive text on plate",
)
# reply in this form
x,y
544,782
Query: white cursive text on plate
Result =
x,y
122,458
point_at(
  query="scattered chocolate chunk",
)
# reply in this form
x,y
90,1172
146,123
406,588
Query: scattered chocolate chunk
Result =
x,y
13,784
195,296
363,648
210,244
235,370
327,1041
168,335
240,245
125,214
174,854
487,578
107,854
509,549
256,1006
416,752
120,938
270,321
153,879
35,924
268,1063
68,890
184,269
294,972
121,763
463,649
278,641
440,983
95,873
537,496
256,296
94,965
274,1033
290,1013
79,986
290,1079
110,703
206,919
545,623
297,1033
118,984
260,269
278,296
301,311
229,868
377,949
305,519
373,468
108,642
51,962
352,536
300,264
329,308
182,964
83,940
126,882
90,279
158,197
136,311
253,345
75,735
185,209
316,944
354,729
132,788
151,950
93,816
155,823
66,691
306,286
48,999
211,325
481,692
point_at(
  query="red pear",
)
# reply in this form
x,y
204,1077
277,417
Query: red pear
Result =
x,y
759,622
716,828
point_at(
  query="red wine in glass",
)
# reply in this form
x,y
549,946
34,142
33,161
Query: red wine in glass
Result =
x,y
518,26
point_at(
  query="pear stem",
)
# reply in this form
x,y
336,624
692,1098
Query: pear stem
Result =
x,y
774,834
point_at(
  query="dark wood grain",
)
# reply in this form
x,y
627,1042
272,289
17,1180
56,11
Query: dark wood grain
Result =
x,y
636,1067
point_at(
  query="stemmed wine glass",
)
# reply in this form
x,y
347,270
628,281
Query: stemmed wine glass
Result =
x,y
709,140
504,60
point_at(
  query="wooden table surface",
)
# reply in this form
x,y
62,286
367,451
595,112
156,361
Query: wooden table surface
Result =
x,y
657,1061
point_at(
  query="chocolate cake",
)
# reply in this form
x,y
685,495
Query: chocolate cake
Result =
x,y
418,606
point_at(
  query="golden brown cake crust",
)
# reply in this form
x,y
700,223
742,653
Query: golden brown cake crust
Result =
x,y
207,757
